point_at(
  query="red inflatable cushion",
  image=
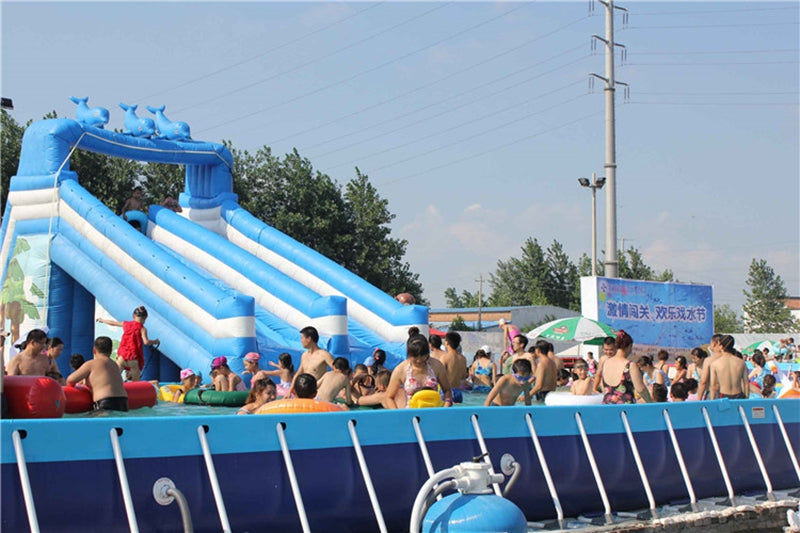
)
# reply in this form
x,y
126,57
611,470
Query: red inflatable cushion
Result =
x,y
34,397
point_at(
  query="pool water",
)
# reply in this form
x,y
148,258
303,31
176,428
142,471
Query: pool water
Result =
x,y
471,399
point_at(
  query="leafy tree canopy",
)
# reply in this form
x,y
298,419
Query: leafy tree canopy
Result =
x,y
764,309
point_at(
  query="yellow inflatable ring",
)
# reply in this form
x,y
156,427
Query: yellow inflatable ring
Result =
x,y
297,405
167,392
426,398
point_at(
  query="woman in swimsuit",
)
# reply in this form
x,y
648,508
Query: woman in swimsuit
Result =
x,y
652,375
624,377
417,372
696,368
756,376
483,372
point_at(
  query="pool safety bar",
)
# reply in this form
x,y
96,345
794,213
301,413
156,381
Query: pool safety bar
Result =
x,y
757,453
598,480
787,442
545,470
479,435
212,478
123,479
681,463
373,498
25,481
638,459
720,460
287,459
165,492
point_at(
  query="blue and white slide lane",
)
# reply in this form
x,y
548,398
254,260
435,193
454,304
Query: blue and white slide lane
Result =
x,y
375,318
194,319
274,291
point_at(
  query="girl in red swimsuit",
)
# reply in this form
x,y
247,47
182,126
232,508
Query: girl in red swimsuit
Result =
x,y
130,353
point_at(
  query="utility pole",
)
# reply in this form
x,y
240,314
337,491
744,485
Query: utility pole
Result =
x,y
480,299
611,264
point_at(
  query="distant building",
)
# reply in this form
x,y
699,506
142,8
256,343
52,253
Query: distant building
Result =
x,y
522,316
793,304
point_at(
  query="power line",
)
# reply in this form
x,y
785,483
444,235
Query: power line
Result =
x,y
447,99
312,61
439,80
461,125
704,63
262,54
713,52
744,24
503,146
738,93
720,104
359,74
716,11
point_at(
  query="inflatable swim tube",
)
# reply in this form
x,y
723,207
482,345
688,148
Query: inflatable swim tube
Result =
x,y
425,398
34,397
296,406
567,398
167,392
213,397
140,394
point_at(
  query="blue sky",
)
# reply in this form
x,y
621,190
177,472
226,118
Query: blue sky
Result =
x,y
473,119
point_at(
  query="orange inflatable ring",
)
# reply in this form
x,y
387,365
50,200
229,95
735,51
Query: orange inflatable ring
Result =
x,y
33,397
297,405
791,393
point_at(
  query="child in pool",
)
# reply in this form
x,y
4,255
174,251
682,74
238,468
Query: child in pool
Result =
x,y
678,392
284,372
362,383
130,353
582,384
263,391
483,372
225,379
189,381
691,389
305,386
378,397
510,386
335,381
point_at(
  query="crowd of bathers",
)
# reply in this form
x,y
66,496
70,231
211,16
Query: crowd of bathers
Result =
x,y
521,374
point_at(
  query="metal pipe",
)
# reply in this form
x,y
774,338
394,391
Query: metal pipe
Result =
x,y
298,498
123,480
212,478
423,448
183,505
718,452
639,465
485,451
25,481
513,479
787,442
545,470
373,498
598,480
757,453
681,462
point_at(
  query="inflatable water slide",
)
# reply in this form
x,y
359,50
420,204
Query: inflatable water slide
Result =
x,y
215,279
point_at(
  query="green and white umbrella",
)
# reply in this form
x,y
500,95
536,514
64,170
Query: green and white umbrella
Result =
x,y
577,328
760,345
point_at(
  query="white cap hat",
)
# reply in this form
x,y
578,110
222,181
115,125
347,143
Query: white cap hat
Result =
x,y
502,321
486,348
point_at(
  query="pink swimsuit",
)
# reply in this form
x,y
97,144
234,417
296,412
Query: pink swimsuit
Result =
x,y
411,385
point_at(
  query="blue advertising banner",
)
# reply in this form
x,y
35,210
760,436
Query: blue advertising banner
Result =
x,y
658,314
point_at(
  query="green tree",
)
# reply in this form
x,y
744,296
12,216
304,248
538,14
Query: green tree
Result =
x,y
562,283
465,299
10,146
160,180
521,281
585,266
632,266
764,309
458,324
374,254
726,320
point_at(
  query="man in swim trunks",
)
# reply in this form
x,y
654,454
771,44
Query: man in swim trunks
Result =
x,y
454,363
715,353
103,378
546,371
729,373
315,360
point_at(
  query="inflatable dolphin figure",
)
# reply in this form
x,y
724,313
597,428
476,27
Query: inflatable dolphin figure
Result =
x,y
174,131
95,116
138,127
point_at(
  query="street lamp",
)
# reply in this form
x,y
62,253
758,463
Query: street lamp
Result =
x,y
596,183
